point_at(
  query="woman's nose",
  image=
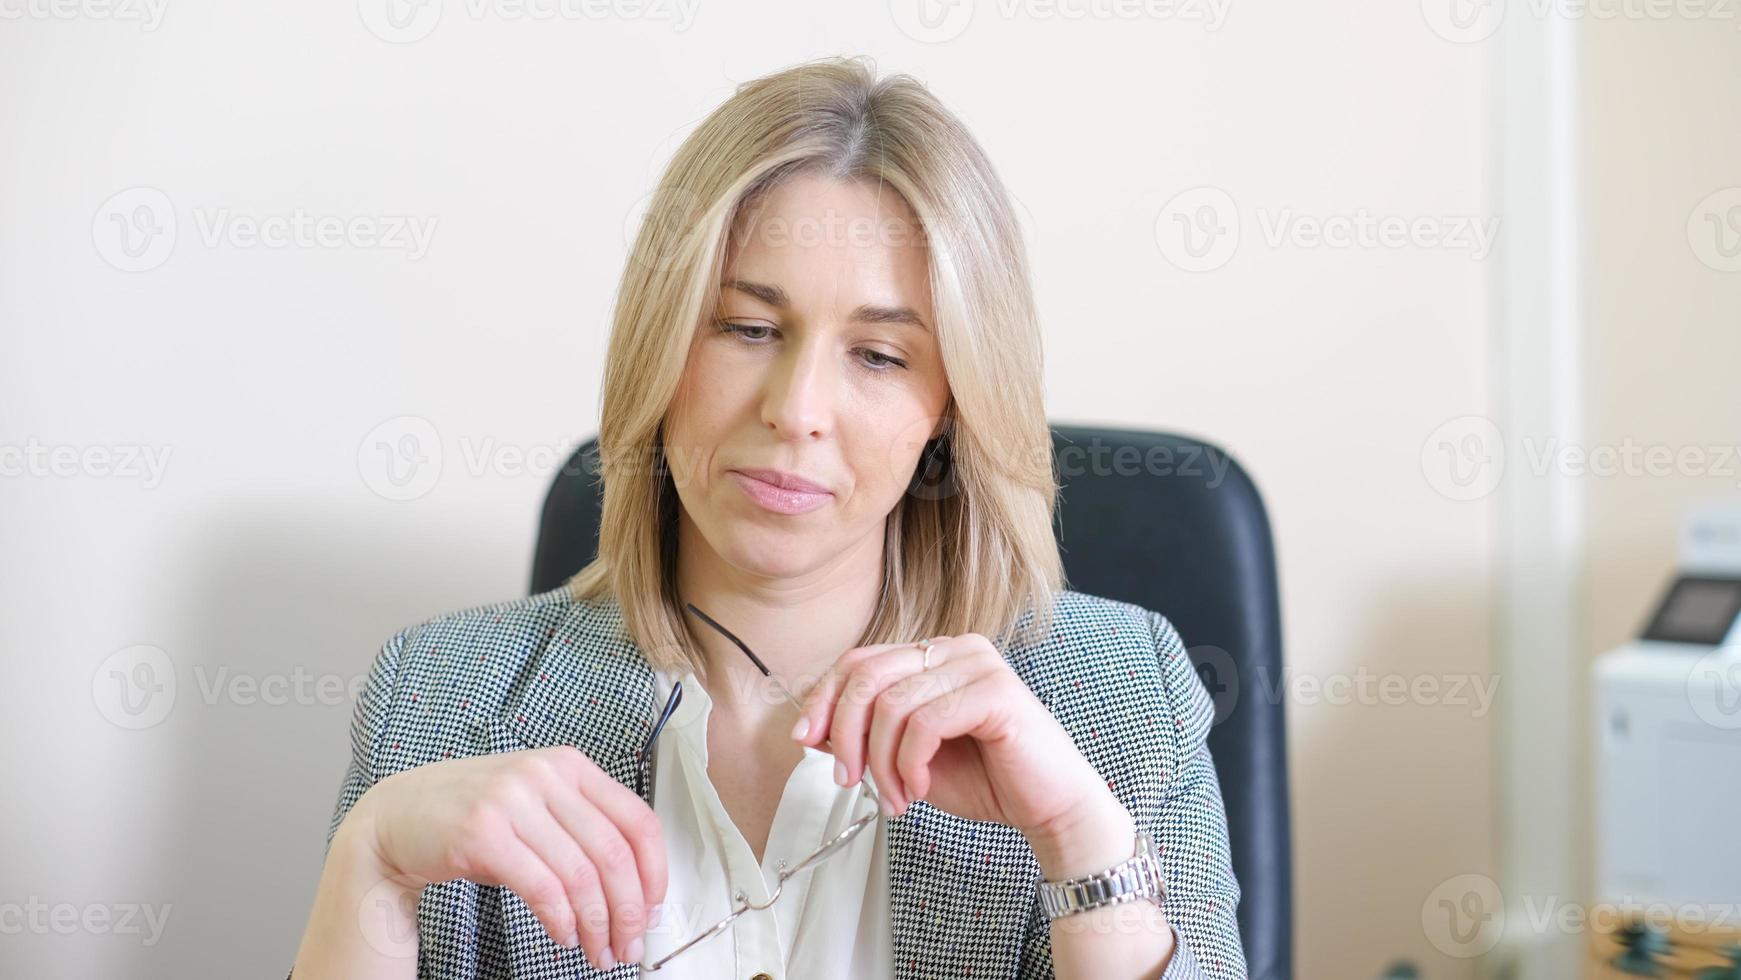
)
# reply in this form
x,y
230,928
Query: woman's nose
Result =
x,y
799,400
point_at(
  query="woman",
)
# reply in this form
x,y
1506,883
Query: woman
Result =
x,y
827,520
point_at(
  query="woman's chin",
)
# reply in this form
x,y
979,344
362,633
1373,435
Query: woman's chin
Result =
x,y
773,555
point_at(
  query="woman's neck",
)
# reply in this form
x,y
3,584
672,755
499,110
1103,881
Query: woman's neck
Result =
x,y
797,626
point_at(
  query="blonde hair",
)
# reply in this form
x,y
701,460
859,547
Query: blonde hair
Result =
x,y
974,553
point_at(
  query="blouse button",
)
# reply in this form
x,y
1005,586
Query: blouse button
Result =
x,y
761,976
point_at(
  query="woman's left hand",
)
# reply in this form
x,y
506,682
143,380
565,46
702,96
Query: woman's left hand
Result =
x,y
966,735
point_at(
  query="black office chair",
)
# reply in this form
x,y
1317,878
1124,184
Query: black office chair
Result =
x,y
1171,524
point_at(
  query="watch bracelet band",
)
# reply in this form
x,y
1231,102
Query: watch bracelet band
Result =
x,y
1138,876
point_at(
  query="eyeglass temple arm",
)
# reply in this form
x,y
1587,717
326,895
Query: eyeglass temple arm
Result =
x,y
649,762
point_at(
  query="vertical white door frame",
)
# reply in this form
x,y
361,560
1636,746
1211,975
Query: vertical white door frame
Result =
x,y
1536,323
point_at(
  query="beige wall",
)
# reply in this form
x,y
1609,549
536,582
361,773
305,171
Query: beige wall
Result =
x,y
268,552
1663,124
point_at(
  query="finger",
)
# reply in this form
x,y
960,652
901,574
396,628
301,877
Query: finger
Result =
x,y
624,910
892,708
962,712
640,826
939,687
817,704
873,673
568,843
519,866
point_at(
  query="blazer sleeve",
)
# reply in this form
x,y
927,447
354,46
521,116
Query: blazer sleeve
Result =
x,y
1202,894
369,719
1190,828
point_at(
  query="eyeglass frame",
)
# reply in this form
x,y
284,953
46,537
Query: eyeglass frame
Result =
x,y
646,773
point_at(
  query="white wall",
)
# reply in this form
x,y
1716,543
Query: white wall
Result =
x,y
266,552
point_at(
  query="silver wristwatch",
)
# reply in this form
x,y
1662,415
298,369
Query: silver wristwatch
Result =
x,y
1138,876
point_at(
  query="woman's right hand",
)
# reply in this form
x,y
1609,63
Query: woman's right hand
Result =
x,y
585,852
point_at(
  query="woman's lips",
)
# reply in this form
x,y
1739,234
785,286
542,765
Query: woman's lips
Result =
x,y
779,499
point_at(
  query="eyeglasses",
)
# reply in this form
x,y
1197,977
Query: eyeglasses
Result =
x,y
829,848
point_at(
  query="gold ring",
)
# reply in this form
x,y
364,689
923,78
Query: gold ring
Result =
x,y
925,649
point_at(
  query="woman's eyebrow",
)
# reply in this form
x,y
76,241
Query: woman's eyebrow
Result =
x,y
865,313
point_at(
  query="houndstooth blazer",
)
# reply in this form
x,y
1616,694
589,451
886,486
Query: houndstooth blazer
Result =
x,y
553,670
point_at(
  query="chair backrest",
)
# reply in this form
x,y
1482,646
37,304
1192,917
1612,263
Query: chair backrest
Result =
x,y
1171,524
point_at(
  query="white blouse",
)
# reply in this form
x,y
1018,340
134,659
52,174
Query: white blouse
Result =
x,y
831,921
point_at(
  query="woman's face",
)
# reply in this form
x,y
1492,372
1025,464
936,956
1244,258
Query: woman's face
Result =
x,y
819,364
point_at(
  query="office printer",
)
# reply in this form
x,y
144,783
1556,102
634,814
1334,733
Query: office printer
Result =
x,y
1668,712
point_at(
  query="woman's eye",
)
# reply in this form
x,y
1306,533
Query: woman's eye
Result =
x,y
744,329
876,360
880,361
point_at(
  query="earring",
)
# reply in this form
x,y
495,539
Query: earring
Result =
x,y
933,478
